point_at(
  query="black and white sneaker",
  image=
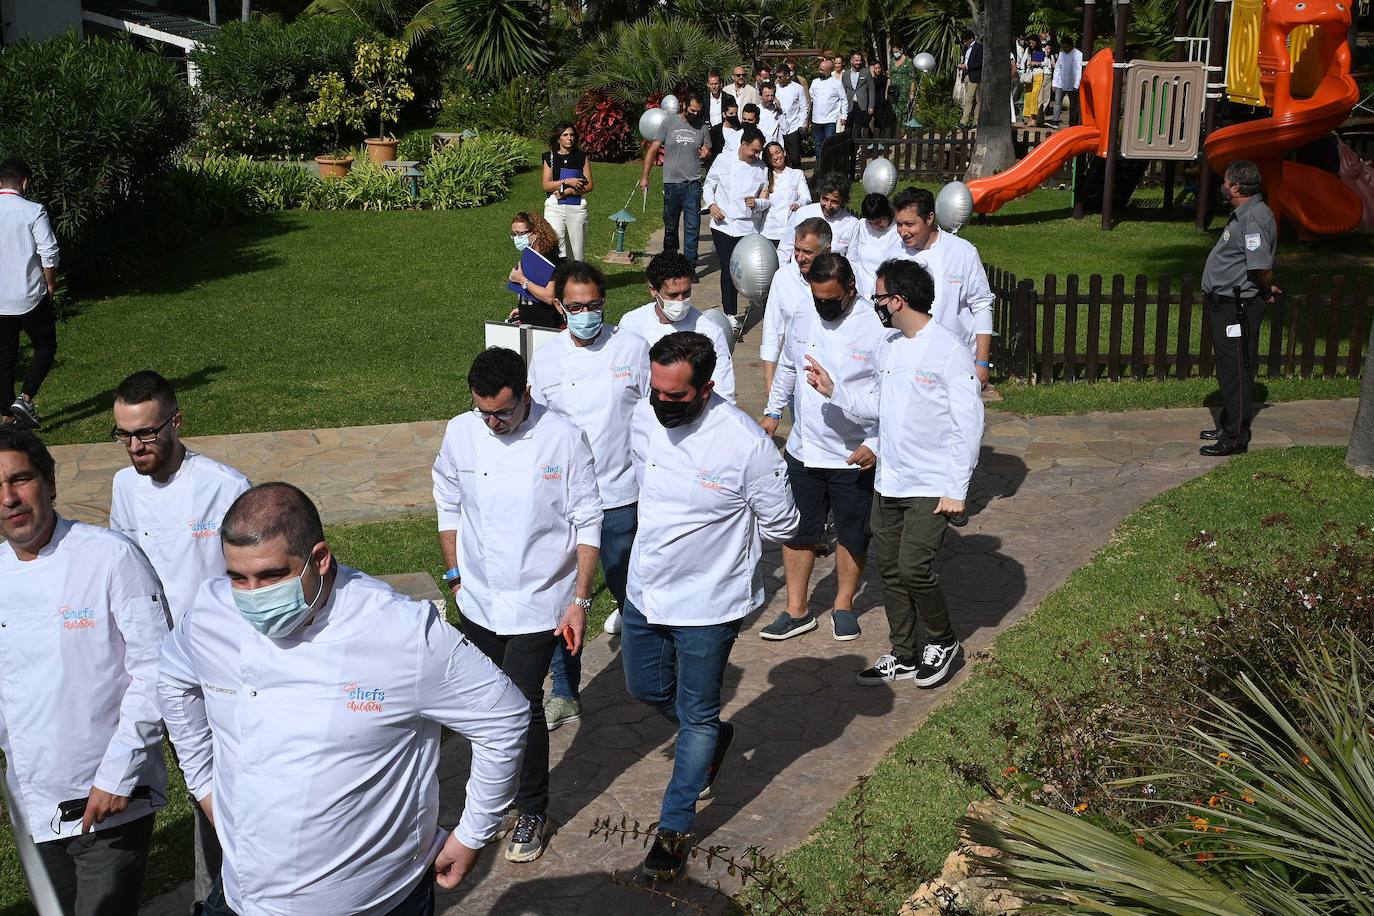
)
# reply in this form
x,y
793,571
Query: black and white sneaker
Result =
x,y
25,414
887,668
939,661
668,856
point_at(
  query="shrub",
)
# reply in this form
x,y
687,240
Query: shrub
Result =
x,y
521,106
233,127
474,173
262,61
97,120
634,60
380,71
603,128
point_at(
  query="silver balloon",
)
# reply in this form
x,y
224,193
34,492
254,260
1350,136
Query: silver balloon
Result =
x,y
752,266
953,206
670,104
880,177
925,62
653,124
717,317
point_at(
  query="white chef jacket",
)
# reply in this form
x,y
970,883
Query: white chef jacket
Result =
x,y
644,322
176,523
596,388
771,123
842,226
963,299
27,245
322,747
80,630
792,99
929,405
730,137
729,182
867,251
718,487
823,435
788,188
827,100
788,293
521,504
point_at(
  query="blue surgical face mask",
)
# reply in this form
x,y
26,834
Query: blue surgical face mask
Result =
x,y
585,325
277,610
521,241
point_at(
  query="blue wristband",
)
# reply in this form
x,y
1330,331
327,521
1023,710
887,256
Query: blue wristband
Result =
x,y
773,414
982,362
452,575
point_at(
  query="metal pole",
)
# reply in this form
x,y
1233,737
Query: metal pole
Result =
x,y
1080,165
1216,84
1180,55
1113,125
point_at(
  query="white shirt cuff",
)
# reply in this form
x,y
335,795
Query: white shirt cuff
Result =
x,y
589,536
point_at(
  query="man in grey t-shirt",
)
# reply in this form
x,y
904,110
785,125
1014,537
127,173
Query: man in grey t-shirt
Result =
x,y
686,143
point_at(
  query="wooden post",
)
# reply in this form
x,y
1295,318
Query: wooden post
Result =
x,y
1080,165
1180,54
1215,83
1113,125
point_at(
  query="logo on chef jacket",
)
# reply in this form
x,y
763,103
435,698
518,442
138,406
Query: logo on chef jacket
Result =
x,y
709,481
551,471
923,377
76,618
861,356
622,372
361,699
206,529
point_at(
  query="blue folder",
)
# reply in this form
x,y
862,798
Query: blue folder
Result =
x,y
538,271
571,201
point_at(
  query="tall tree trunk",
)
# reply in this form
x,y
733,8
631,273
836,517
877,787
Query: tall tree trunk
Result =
x,y
247,10
1360,456
214,12
993,149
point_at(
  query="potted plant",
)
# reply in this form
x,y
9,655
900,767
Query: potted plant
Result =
x,y
381,71
334,107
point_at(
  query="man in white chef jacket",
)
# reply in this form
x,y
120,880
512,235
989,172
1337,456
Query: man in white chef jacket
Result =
x,y
82,618
963,298
717,487
830,455
170,502
789,292
305,700
519,513
926,400
592,375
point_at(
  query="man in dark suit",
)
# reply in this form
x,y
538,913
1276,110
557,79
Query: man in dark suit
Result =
x,y
971,71
858,94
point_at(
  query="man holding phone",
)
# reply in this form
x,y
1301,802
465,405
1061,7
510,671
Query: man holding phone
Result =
x,y
82,618
520,529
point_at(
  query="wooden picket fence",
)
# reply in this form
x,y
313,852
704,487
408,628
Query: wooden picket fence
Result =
x,y
1087,329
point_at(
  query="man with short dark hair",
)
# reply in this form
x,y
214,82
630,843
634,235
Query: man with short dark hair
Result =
x,y
520,530
1068,74
84,618
792,101
28,279
789,292
971,73
1237,282
715,99
830,455
858,95
686,144
306,702
170,502
732,192
592,375
718,488
770,115
832,205
926,400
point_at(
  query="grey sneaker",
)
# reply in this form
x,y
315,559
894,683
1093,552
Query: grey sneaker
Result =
x,y
26,414
527,839
844,625
560,711
787,626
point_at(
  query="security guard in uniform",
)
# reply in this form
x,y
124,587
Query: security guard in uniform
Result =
x,y
1237,282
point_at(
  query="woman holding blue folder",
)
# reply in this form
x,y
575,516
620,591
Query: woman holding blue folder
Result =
x,y
568,180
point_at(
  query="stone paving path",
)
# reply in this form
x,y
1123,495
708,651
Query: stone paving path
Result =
x,y
806,730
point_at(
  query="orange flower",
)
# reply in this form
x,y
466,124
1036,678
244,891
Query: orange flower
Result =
x,y
1008,771
1200,824
1306,761
1212,802
1205,856
1139,840
1248,799
1223,756
1080,808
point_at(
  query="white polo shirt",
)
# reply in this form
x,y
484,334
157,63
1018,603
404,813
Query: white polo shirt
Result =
x,y
644,321
788,293
176,523
596,388
842,226
521,503
823,435
81,626
929,407
718,488
730,181
963,298
322,747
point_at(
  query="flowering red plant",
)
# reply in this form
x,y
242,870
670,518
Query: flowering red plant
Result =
x,y
603,128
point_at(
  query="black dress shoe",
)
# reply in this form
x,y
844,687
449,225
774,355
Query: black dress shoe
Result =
x,y
668,856
1221,450
1210,435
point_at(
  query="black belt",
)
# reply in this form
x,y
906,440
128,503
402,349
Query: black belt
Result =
x,y
1228,300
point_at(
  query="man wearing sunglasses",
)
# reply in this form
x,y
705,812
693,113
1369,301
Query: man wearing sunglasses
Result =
x,y
170,502
520,530
592,375
744,91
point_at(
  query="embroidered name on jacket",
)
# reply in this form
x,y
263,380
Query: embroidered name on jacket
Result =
x,y
76,618
621,372
362,700
203,529
551,471
710,481
923,377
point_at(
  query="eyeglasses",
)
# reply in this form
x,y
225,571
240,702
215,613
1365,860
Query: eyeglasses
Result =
x,y
146,436
880,298
575,308
505,416
516,235
740,73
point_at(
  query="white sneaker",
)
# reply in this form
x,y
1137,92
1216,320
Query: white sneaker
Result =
x,y
612,624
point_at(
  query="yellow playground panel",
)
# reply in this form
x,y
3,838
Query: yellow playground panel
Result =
x,y
1243,78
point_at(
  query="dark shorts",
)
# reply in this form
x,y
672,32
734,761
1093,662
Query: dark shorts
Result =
x,y
842,493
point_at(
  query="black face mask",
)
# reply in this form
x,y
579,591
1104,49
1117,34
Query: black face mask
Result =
x,y
829,309
884,315
733,121
673,414
696,120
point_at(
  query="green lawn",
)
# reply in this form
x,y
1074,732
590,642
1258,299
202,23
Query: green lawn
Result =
x,y
1080,397
319,319
914,790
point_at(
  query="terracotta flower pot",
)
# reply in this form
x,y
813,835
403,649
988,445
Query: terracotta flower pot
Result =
x,y
333,167
381,150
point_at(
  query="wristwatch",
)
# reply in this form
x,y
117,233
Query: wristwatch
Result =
x,y
584,603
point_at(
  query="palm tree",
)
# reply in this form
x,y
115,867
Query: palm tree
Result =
x,y
1360,456
635,60
993,149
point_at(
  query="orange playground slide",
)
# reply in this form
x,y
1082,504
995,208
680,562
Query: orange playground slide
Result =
x,y
989,194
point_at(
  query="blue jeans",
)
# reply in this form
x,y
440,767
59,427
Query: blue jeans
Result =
x,y
618,527
821,133
682,199
678,670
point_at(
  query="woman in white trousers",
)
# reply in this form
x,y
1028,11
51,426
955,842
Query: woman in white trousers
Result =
x,y
568,181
